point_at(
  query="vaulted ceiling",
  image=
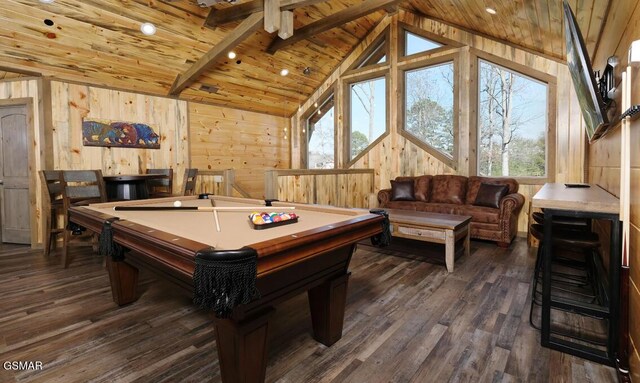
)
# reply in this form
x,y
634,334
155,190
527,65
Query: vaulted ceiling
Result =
x,y
99,42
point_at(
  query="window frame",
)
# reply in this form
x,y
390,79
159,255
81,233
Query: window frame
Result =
x,y
403,28
550,139
382,38
304,131
423,64
346,86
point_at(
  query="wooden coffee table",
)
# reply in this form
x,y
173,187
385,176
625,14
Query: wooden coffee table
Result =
x,y
432,227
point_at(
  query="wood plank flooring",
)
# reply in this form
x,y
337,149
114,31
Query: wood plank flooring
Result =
x,y
406,321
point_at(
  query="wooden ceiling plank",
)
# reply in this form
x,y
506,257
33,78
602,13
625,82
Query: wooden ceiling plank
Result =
x,y
242,31
76,55
271,15
544,22
596,26
128,15
86,34
332,21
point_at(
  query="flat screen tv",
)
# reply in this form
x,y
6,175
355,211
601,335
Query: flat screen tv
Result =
x,y
591,103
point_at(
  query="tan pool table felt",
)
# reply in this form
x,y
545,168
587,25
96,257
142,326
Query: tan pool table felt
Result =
x,y
236,229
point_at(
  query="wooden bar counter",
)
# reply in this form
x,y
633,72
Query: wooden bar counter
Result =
x,y
589,201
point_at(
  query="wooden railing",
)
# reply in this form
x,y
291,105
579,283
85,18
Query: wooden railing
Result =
x,y
340,187
220,182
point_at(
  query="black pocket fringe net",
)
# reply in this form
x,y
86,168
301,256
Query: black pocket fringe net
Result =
x,y
222,280
106,245
383,239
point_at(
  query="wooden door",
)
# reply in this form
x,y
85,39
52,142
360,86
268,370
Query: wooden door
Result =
x,y
14,175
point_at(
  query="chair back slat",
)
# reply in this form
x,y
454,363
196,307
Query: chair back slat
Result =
x,y
160,187
83,191
189,184
80,175
53,184
84,184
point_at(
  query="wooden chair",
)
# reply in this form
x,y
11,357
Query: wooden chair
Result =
x,y
53,191
189,183
160,187
82,187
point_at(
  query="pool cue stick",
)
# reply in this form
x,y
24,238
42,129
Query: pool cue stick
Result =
x,y
622,353
215,216
201,208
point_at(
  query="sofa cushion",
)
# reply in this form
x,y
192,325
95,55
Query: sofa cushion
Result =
x,y
421,187
442,208
474,182
448,189
479,214
402,191
489,195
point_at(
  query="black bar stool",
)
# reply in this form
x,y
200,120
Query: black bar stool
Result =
x,y
577,286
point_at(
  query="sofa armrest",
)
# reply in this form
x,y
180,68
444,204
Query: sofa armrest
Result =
x,y
384,196
511,204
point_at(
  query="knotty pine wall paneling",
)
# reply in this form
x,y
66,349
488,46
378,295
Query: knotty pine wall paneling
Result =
x,y
71,103
249,142
14,88
621,28
396,156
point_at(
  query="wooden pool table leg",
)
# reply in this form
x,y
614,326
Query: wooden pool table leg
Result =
x,y
124,281
242,348
327,303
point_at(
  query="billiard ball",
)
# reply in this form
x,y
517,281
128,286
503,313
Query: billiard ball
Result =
x,y
177,204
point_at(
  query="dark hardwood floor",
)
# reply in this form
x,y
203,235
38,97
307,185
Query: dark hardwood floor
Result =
x,y
406,321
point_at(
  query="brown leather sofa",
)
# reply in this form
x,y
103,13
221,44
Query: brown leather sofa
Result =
x,y
453,194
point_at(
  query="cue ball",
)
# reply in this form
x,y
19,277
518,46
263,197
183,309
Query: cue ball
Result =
x,y
177,204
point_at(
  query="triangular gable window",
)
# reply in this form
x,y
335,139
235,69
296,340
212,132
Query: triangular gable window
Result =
x,y
418,44
376,54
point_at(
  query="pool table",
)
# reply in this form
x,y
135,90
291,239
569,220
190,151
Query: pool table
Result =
x,y
310,255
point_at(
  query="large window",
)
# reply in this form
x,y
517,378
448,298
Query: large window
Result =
x,y
320,131
512,123
429,107
367,105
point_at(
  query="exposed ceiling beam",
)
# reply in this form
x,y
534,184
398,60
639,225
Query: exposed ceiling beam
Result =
x,y
271,15
20,71
286,24
235,37
332,21
222,16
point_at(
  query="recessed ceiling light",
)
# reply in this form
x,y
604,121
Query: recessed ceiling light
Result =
x,y
284,72
231,54
148,29
490,11
46,1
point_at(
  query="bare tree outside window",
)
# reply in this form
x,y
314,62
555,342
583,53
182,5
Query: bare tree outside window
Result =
x,y
429,106
321,137
512,123
368,114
